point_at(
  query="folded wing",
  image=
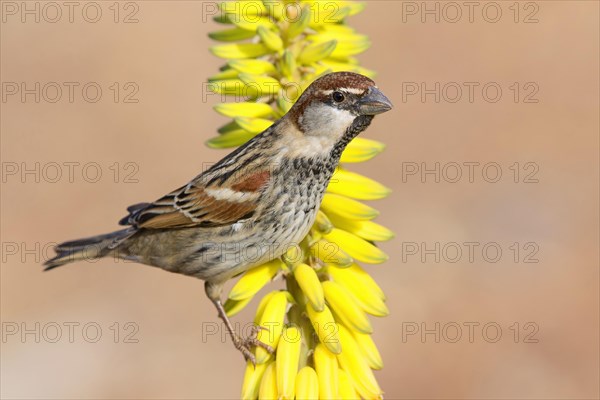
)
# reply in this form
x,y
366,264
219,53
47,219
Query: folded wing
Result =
x,y
201,205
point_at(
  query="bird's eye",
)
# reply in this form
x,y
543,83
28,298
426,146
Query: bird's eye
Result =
x,y
338,97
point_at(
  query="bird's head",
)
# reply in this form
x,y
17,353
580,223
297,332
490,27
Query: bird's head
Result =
x,y
338,106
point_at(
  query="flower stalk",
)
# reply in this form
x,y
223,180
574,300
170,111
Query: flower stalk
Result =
x,y
319,323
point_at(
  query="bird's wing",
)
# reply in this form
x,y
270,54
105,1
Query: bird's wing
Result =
x,y
224,200
227,192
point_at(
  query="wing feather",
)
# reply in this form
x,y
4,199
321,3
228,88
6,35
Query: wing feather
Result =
x,y
198,205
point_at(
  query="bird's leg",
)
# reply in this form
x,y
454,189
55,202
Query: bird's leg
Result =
x,y
213,291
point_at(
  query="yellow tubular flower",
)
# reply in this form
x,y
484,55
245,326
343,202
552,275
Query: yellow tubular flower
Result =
x,y
346,308
232,307
272,51
356,247
361,149
309,283
346,387
367,295
246,50
288,355
366,279
262,305
367,230
356,186
322,223
253,125
272,320
268,383
252,380
307,384
352,361
244,109
254,280
330,253
369,350
326,366
326,328
344,207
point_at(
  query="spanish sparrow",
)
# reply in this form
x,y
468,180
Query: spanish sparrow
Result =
x,y
251,206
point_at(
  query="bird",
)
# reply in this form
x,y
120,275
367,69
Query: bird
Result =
x,y
252,205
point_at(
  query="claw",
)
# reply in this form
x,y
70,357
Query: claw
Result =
x,y
253,340
244,345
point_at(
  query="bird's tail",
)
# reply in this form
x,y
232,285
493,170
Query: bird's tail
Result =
x,y
87,248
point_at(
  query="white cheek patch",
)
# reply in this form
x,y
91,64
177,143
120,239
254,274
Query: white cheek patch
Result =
x,y
322,127
340,118
326,121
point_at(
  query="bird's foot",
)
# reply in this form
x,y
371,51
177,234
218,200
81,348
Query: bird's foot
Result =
x,y
244,345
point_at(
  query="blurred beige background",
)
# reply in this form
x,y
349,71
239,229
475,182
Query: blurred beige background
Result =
x,y
547,311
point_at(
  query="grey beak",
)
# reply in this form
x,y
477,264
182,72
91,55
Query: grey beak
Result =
x,y
374,102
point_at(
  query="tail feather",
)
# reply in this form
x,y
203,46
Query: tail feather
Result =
x,y
87,248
